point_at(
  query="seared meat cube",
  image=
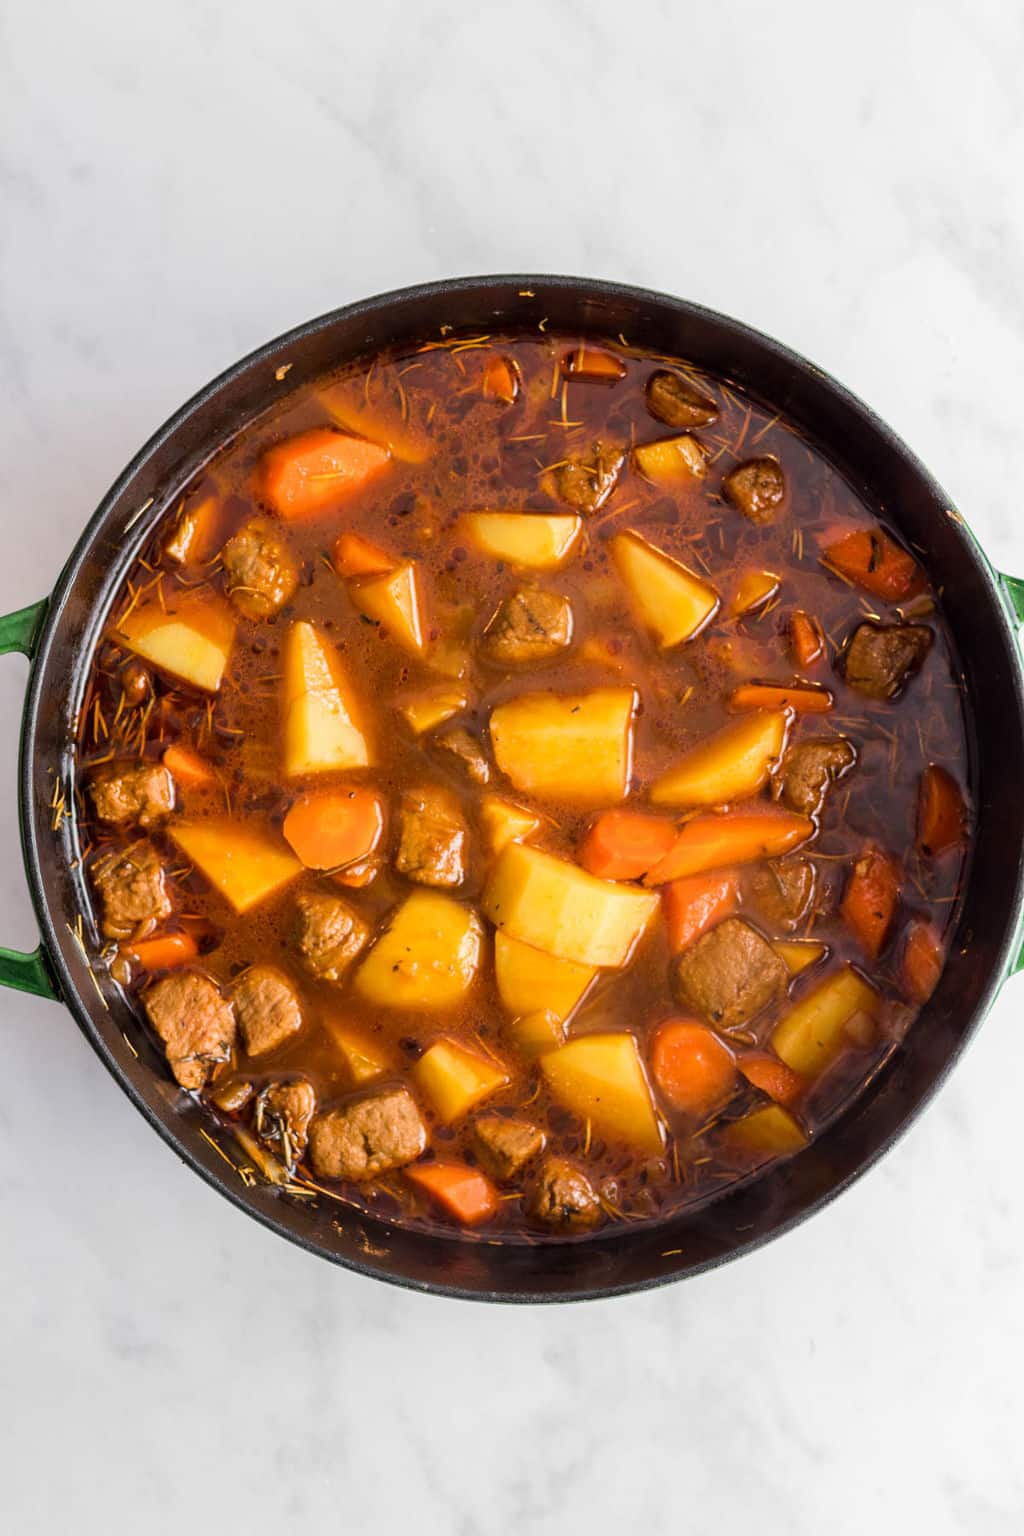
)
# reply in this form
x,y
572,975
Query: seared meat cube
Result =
x,y
469,752
528,626
564,1197
881,657
505,1146
783,890
136,683
810,768
756,487
260,573
196,1024
432,838
267,1007
232,1095
139,796
676,402
368,1137
283,1113
133,888
328,934
730,974
586,483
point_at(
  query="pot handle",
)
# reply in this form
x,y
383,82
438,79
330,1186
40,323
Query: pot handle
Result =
x,y
26,972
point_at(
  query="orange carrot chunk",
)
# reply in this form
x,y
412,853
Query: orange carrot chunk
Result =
x,y
805,698
501,380
806,640
715,842
693,1070
163,952
772,1076
188,769
940,811
333,828
694,904
875,562
921,962
622,845
356,556
319,469
592,364
461,1191
869,901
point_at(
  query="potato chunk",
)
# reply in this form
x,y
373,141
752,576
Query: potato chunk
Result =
x,y
191,639
453,1079
321,734
426,956
502,822
672,461
559,908
772,1131
424,711
245,860
394,601
570,747
670,599
529,980
730,765
813,1032
601,1079
535,541
365,1056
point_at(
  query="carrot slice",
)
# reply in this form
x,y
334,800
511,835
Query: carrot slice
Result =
x,y
772,1076
356,556
622,845
501,380
334,828
694,904
940,811
805,698
691,1067
805,638
162,953
188,769
592,364
875,562
922,959
316,470
714,842
869,901
463,1192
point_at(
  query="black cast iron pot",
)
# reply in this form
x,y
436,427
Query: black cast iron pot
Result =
x,y
983,610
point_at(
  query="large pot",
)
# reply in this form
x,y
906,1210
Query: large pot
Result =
x,y
983,609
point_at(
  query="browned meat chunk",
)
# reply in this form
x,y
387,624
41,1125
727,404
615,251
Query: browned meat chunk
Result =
x,y
564,1197
366,1138
505,1146
133,888
586,483
328,934
783,890
283,1113
730,974
469,753
881,657
432,838
677,402
528,626
756,487
196,1024
267,1007
810,768
260,573
233,1095
139,796
136,683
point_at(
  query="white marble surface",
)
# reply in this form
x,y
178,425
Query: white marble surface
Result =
x,y
179,183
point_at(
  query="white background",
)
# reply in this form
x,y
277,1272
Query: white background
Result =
x,y
179,183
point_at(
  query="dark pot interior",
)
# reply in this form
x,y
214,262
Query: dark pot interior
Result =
x,y
887,474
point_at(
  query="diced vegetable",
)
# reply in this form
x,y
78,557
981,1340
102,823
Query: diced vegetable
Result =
x,y
194,535
540,541
754,589
772,1130
462,1192
427,955
670,599
922,960
696,903
622,845
191,638
671,461
356,556
501,380
805,698
320,730
365,1057
600,1078
394,601
876,563
319,470
334,828
772,1076
558,907
502,822
433,707
593,365
244,860
806,641
693,1071
941,813
569,747
529,979
454,1079
164,952
813,1032
188,769
799,954
869,901
534,1033
732,764
348,405
715,842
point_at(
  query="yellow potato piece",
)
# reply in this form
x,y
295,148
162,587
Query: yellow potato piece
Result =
x,y
601,1079
394,601
320,730
365,1058
534,1033
813,1032
670,599
502,822
192,639
571,747
433,707
453,1079
799,954
755,588
244,860
529,980
559,908
672,460
537,541
731,764
772,1130
347,406
427,955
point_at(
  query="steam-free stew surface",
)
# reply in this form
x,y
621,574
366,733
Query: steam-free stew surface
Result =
x,y
523,788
